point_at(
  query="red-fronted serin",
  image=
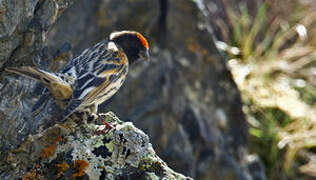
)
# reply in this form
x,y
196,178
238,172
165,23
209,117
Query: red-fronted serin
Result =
x,y
94,76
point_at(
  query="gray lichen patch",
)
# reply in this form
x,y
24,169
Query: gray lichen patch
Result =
x,y
73,149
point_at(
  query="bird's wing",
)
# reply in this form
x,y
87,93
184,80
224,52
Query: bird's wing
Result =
x,y
93,83
94,53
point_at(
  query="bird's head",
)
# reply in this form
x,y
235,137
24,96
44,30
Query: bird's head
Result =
x,y
134,45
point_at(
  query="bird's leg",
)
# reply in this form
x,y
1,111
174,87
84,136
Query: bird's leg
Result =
x,y
94,111
107,127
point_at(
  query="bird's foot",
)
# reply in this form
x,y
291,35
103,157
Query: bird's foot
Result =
x,y
107,127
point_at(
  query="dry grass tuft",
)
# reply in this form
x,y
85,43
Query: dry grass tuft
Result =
x,y
273,61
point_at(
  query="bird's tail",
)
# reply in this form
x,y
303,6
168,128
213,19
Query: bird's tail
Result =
x,y
57,86
43,76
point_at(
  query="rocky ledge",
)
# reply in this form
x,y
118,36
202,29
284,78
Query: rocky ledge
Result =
x,y
94,150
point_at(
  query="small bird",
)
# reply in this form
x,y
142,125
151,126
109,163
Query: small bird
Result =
x,y
92,77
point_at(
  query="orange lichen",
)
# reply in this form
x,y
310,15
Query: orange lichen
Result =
x,y
31,175
50,149
62,168
80,165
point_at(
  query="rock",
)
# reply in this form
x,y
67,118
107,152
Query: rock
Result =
x,y
23,28
90,151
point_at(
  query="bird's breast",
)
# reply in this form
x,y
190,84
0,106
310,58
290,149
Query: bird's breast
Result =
x,y
114,86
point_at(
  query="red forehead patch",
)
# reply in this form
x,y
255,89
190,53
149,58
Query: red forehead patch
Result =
x,y
142,40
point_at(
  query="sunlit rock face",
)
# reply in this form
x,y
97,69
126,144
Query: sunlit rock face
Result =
x,y
184,99
88,151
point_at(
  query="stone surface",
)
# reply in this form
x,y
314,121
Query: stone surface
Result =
x,y
184,99
88,151
24,25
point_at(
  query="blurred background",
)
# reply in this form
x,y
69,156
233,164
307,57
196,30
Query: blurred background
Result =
x,y
229,94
